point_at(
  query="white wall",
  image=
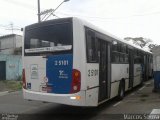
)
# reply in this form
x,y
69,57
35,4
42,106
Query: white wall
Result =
x,y
18,41
8,44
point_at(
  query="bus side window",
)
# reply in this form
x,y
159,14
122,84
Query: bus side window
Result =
x,y
119,46
123,49
121,58
115,57
91,45
126,59
98,49
127,50
137,57
114,47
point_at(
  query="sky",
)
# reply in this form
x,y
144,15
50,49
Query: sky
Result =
x,y
122,18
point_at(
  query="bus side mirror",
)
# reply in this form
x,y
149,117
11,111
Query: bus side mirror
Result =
x,y
22,29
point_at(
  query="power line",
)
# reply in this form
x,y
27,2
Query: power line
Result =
x,y
105,18
86,16
8,26
12,28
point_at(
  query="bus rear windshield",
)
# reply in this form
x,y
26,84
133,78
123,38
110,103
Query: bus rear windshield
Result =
x,y
47,39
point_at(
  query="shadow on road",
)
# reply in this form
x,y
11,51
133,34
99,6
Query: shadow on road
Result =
x,y
64,112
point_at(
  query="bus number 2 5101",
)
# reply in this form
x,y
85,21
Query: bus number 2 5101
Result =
x,y
92,72
61,62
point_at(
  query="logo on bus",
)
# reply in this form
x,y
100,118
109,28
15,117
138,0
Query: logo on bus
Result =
x,y
62,74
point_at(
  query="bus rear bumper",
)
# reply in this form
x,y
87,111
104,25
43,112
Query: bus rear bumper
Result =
x,y
76,99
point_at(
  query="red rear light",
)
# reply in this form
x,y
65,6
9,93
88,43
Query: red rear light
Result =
x,y
24,79
76,81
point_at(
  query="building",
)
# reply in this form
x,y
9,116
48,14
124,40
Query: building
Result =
x,y
10,67
11,44
10,57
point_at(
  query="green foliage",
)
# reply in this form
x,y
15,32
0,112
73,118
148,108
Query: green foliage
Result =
x,y
19,78
10,85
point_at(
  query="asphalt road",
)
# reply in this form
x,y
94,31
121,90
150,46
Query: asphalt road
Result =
x,y
139,101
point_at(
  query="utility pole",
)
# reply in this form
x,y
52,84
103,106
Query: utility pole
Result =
x,y
39,16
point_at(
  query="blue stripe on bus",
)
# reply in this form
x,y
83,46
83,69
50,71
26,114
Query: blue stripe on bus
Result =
x,y
59,73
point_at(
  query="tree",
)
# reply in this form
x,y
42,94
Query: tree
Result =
x,y
142,42
151,46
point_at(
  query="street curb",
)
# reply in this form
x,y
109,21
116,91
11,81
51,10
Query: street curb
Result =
x,y
7,92
14,91
4,93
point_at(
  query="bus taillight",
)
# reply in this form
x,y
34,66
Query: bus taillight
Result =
x,y
24,79
76,81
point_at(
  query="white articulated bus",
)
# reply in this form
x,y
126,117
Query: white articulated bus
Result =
x,y
70,61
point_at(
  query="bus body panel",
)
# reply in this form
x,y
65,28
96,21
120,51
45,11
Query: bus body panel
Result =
x,y
92,78
92,97
79,50
49,72
114,89
59,73
68,99
137,74
119,71
79,62
92,83
35,70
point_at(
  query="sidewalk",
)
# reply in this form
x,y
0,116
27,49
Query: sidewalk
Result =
x,y
3,87
141,100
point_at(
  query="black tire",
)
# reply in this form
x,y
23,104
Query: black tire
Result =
x,y
121,91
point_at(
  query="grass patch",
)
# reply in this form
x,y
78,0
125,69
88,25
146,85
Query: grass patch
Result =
x,y
10,85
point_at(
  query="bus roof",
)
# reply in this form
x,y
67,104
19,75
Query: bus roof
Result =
x,y
87,24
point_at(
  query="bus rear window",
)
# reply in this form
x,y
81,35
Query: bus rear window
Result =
x,y
49,38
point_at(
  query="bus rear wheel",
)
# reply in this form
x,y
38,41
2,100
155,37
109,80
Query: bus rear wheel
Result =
x,y
121,90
